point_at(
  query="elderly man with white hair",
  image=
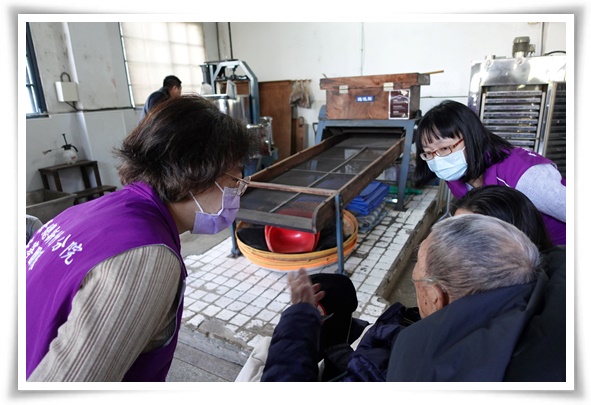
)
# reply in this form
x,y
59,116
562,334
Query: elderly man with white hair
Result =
x,y
480,286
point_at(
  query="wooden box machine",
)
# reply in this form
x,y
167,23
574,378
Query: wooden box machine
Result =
x,y
308,190
367,125
379,97
303,191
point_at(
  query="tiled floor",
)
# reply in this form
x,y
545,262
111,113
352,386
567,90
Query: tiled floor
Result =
x,y
238,301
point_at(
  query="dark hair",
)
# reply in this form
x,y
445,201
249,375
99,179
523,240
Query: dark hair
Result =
x,y
509,205
451,119
183,145
171,81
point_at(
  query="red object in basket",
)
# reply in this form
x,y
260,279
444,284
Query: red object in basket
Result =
x,y
282,240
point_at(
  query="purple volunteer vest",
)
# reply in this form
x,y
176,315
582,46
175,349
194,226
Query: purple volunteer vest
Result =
x,y
66,248
507,173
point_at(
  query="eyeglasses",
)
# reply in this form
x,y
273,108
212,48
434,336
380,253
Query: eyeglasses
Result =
x,y
242,184
429,280
446,150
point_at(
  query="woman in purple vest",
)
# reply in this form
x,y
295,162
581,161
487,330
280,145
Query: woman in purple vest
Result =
x,y
105,279
453,145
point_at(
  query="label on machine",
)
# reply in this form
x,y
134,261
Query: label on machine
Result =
x,y
399,104
364,99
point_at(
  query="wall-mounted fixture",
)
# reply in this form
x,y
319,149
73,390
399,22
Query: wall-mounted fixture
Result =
x,y
66,91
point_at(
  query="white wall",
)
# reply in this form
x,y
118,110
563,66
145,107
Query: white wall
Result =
x,y
91,53
279,51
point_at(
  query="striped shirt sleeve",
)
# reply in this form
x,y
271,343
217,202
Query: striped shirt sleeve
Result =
x,y
126,305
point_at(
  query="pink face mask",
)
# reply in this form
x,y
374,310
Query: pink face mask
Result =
x,y
206,223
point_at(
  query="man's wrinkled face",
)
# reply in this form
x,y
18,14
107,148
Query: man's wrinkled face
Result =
x,y
427,292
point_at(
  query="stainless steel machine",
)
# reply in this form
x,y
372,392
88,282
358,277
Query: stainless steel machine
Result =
x,y
217,76
223,78
523,99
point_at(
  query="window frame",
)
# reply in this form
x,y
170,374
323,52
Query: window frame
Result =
x,y
190,82
33,80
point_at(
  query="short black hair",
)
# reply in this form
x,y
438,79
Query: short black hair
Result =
x,y
511,206
171,81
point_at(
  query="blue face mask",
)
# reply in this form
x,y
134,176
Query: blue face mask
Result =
x,y
206,223
450,167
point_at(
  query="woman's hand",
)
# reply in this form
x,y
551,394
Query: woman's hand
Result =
x,y
302,289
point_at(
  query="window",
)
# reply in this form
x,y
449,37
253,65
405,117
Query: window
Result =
x,y
34,90
154,50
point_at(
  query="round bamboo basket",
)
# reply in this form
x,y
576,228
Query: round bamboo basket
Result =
x,y
295,261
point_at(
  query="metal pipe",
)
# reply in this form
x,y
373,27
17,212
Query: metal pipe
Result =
x,y
230,39
542,39
339,220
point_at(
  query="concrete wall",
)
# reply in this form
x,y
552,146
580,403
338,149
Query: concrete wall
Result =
x,y
91,53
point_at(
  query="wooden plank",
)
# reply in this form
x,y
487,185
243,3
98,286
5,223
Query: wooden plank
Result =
x,y
203,366
217,347
293,189
183,371
400,81
198,358
281,220
62,166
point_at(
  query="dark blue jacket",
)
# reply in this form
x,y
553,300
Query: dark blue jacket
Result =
x,y
515,333
156,97
545,360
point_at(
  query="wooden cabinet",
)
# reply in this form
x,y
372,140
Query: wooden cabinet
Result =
x,y
274,102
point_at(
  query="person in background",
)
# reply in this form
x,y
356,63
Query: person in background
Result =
x,y
508,204
453,145
171,88
475,314
105,279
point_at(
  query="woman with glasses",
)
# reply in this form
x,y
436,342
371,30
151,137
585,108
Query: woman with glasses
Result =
x,y
453,145
105,279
